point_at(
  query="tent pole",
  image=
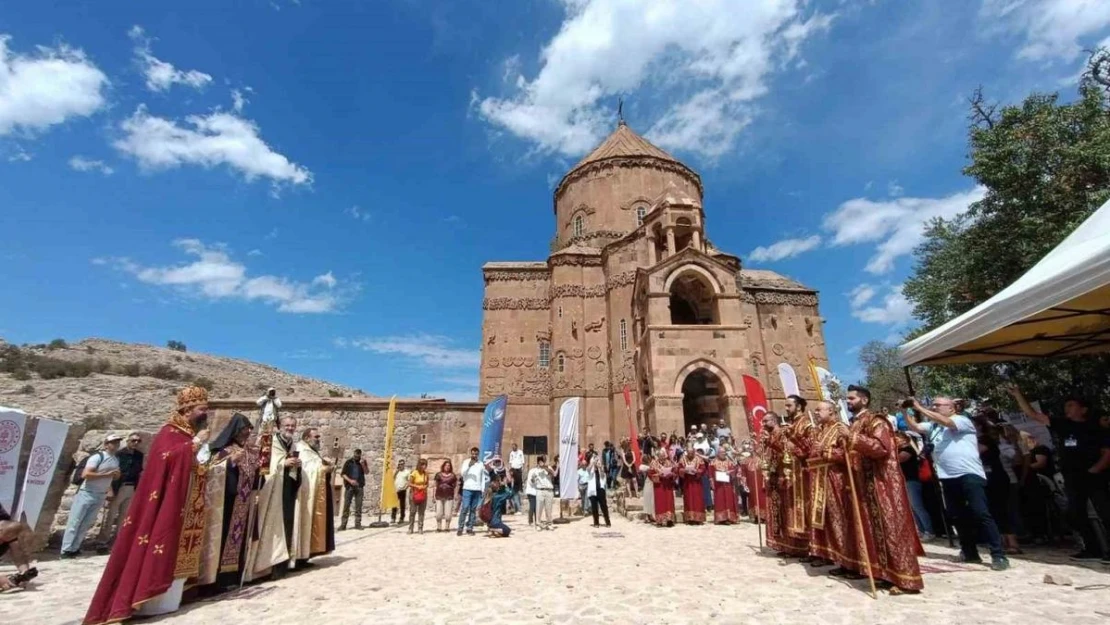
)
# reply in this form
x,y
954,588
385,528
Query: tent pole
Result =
x,y
909,380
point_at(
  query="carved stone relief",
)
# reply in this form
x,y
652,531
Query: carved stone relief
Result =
x,y
493,362
778,349
515,303
594,352
595,326
516,276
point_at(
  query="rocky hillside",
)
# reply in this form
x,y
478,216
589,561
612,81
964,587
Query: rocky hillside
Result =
x,y
108,384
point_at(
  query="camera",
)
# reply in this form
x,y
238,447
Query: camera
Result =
x,y
907,404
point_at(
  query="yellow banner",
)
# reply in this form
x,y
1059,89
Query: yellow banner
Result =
x,y
389,495
817,380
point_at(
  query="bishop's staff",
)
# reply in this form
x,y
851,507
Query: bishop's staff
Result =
x,y
864,555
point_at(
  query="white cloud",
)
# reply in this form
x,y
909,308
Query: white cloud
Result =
x,y
47,87
861,295
238,100
429,350
893,189
327,280
358,213
455,394
216,139
80,163
787,248
710,59
214,275
896,225
159,74
19,155
894,309
1053,30
254,252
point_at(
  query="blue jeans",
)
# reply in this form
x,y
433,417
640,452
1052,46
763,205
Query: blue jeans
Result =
x,y
917,505
516,501
498,524
966,497
82,514
468,508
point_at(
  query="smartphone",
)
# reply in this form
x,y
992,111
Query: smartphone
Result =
x,y
294,454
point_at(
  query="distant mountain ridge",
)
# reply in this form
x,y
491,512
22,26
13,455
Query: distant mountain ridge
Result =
x,y
111,384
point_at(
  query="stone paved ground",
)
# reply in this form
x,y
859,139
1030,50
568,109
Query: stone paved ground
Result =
x,y
633,573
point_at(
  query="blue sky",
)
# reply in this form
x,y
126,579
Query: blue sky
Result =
x,y
316,184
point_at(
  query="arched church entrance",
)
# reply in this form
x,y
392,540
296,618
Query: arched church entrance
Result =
x,y
703,399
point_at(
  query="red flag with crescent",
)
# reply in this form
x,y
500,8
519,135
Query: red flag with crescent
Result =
x,y
757,403
633,439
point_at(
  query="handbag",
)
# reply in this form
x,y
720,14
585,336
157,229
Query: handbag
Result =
x,y
420,496
485,512
925,470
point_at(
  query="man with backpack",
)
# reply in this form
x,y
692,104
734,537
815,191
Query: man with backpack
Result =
x,y
94,481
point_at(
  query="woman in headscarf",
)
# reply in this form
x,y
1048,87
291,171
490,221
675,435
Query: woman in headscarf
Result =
x,y
690,469
231,479
723,474
663,477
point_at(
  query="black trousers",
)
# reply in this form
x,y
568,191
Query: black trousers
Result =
x,y
402,496
1081,487
598,501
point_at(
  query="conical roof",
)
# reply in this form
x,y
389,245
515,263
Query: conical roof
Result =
x,y
624,142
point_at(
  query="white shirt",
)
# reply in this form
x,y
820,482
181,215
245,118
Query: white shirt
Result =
x,y
591,487
268,407
401,480
516,459
540,479
583,477
474,475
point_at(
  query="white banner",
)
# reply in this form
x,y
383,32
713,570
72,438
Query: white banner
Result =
x,y
12,425
789,380
568,448
49,440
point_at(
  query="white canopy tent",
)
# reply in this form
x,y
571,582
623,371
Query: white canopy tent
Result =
x,y
1060,307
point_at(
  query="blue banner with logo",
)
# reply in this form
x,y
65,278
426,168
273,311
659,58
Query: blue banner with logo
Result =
x,y
493,426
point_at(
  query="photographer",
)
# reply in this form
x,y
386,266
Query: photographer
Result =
x,y
269,405
956,454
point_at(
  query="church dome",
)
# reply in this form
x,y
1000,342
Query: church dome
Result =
x,y
624,144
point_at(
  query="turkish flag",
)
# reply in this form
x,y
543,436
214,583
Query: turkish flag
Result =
x,y
756,402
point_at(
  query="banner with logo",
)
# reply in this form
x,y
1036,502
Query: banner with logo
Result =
x,y
389,493
12,425
50,437
493,428
568,448
757,403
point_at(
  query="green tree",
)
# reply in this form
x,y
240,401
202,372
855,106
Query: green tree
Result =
x,y
1045,167
884,375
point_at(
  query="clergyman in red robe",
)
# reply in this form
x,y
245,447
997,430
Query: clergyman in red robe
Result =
x,y
892,543
159,540
690,470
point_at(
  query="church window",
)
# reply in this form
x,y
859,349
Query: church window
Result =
x,y
641,212
423,439
624,335
545,354
579,225
560,363
560,312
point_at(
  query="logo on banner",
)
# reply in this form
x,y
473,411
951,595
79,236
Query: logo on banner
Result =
x,y
9,435
498,414
42,458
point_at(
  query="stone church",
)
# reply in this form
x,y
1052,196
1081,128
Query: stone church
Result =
x,y
633,293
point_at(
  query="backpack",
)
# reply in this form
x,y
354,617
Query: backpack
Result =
x,y
77,479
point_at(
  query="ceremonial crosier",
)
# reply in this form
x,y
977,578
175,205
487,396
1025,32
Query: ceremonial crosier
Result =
x,y
159,541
